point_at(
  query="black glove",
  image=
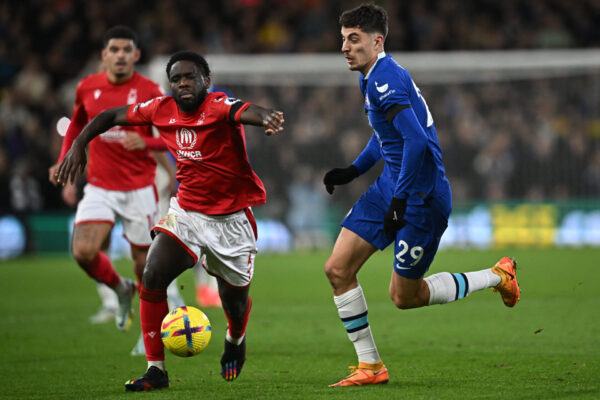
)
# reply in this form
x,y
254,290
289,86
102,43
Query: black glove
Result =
x,y
394,217
339,176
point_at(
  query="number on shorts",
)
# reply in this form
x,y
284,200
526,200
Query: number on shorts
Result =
x,y
416,253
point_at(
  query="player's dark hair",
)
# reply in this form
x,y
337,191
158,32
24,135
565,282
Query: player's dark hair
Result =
x,y
192,56
120,32
369,18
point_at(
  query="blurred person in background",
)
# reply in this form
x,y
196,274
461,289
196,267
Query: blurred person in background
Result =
x,y
120,181
408,205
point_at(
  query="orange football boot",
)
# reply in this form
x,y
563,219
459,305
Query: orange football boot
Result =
x,y
508,287
206,296
365,374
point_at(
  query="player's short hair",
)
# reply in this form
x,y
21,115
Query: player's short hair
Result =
x,y
369,18
192,56
120,32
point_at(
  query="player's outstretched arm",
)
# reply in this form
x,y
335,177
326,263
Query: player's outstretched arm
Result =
x,y
365,160
74,162
271,120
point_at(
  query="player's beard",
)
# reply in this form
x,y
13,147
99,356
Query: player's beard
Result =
x,y
191,105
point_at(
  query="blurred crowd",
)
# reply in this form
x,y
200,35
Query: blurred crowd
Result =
x,y
535,139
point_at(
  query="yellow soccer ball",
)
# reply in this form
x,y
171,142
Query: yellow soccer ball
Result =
x,y
185,331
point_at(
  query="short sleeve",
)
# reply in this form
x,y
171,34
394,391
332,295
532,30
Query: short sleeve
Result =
x,y
229,108
141,113
390,89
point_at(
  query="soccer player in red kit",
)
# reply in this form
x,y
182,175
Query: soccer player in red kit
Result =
x,y
120,182
211,214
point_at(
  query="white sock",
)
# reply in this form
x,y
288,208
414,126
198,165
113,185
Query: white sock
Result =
x,y
158,364
482,279
174,298
233,340
445,287
352,309
107,296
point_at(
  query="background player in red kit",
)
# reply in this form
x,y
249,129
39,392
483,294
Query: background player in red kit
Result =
x,y
120,182
210,215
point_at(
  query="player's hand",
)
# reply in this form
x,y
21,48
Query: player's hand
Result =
x,y
133,141
273,122
339,176
69,194
72,165
52,174
394,217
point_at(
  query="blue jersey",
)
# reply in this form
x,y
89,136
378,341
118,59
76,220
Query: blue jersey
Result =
x,y
404,136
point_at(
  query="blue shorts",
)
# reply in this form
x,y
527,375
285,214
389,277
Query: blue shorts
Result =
x,y
416,244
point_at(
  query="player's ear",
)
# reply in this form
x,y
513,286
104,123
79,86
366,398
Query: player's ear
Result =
x,y
207,81
104,53
379,40
137,55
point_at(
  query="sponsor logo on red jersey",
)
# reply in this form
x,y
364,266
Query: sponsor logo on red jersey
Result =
x,y
186,140
114,134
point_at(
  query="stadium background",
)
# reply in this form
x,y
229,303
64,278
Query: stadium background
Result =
x,y
514,90
515,95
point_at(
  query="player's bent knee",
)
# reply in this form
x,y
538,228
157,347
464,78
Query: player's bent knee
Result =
x,y
152,278
403,302
335,272
84,255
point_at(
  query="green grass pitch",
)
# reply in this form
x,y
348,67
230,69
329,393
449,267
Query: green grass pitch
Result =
x,y
547,347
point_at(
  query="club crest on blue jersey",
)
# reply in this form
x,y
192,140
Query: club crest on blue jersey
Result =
x,y
381,89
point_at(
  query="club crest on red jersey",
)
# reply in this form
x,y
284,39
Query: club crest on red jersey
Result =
x,y
132,96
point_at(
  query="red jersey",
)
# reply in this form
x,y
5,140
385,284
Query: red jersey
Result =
x,y
110,166
209,146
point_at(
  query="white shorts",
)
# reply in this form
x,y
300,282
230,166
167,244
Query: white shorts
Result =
x,y
138,210
225,244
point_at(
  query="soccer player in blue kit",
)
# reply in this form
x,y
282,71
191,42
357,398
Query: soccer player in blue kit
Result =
x,y
409,203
